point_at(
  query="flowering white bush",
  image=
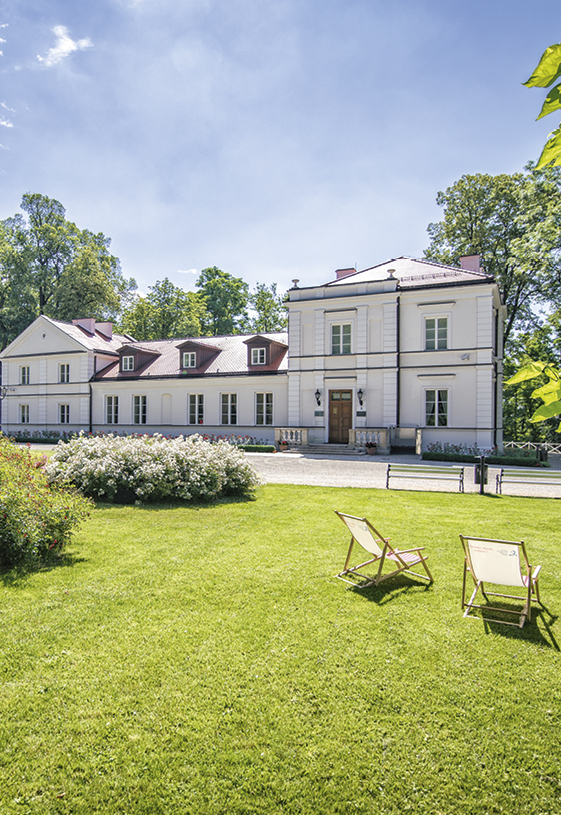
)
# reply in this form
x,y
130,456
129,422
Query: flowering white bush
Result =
x,y
151,468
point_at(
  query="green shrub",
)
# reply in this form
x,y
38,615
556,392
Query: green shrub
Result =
x,y
258,448
151,468
499,461
36,520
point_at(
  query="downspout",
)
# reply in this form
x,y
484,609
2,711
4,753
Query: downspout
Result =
x,y
91,394
496,373
398,359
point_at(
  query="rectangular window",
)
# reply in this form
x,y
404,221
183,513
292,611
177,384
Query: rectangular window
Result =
x,y
258,356
264,408
24,375
112,409
128,364
24,413
196,408
341,339
64,414
436,333
64,372
139,410
229,408
189,359
436,408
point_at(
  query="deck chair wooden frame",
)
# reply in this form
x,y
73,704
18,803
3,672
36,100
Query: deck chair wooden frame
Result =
x,y
366,536
500,563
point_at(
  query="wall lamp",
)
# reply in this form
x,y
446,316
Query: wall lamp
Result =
x,y
360,396
317,394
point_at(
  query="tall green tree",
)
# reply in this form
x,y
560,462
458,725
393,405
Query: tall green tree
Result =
x,y
514,223
52,267
269,308
226,299
166,312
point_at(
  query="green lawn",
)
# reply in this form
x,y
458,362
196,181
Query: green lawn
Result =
x,y
205,660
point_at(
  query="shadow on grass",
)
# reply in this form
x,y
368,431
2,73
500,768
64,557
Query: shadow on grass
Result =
x,y
391,590
537,631
158,506
17,576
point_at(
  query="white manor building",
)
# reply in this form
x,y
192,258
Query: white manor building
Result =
x,y
405,353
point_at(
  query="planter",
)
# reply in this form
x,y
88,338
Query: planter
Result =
x,y
371,451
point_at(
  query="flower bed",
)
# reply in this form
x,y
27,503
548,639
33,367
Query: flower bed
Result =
x,y
152,468
470,455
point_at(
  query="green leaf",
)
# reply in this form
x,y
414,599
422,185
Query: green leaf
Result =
x,y
548,392
547,412
552,102
528,372
548,69
552,150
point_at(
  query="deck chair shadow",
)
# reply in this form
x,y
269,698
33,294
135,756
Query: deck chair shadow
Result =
x,y
501,563
401,560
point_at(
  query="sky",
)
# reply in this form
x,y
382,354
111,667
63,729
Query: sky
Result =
x,y
275,139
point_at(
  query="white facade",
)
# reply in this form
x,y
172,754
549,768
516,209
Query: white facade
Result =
x,y
423,352
408,345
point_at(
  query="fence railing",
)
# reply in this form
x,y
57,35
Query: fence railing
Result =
x,y
295,436
532,445
380,436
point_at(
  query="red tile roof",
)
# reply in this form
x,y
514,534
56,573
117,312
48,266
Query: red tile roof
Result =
x,y
232,358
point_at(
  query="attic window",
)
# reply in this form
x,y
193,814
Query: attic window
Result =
x,y
258,356
127,364
189,359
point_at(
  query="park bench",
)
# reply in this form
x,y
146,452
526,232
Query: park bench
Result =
x,y
442,473
527,476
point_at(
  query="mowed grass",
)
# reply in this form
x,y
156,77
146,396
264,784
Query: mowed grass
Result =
x,y
205,660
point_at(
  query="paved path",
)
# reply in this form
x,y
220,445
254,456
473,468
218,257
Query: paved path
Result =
x,y
370,471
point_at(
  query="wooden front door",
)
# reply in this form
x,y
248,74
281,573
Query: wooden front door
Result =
x,y
340,416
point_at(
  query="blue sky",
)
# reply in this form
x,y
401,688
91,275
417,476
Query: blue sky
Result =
x,y
276,139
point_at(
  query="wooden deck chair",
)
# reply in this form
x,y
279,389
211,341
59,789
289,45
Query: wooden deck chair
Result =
x,y
370,539
503,563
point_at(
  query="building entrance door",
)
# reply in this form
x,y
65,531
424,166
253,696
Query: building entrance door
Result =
x,y
340,416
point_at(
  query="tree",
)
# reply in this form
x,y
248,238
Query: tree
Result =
x,y
546,73
166,312
56,269
549,393
226,299
519,400
514,223
270,312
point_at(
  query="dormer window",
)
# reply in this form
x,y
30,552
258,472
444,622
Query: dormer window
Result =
x,y
127,364
258,356
189,359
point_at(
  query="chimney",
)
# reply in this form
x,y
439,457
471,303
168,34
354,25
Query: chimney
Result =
x,y
87,323
106,329
344,273
471,263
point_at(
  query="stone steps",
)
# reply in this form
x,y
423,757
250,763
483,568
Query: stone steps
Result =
x,y
325,449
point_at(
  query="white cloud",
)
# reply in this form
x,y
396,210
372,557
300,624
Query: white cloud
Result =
x,y
63,47
5,122
6,107
187,271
